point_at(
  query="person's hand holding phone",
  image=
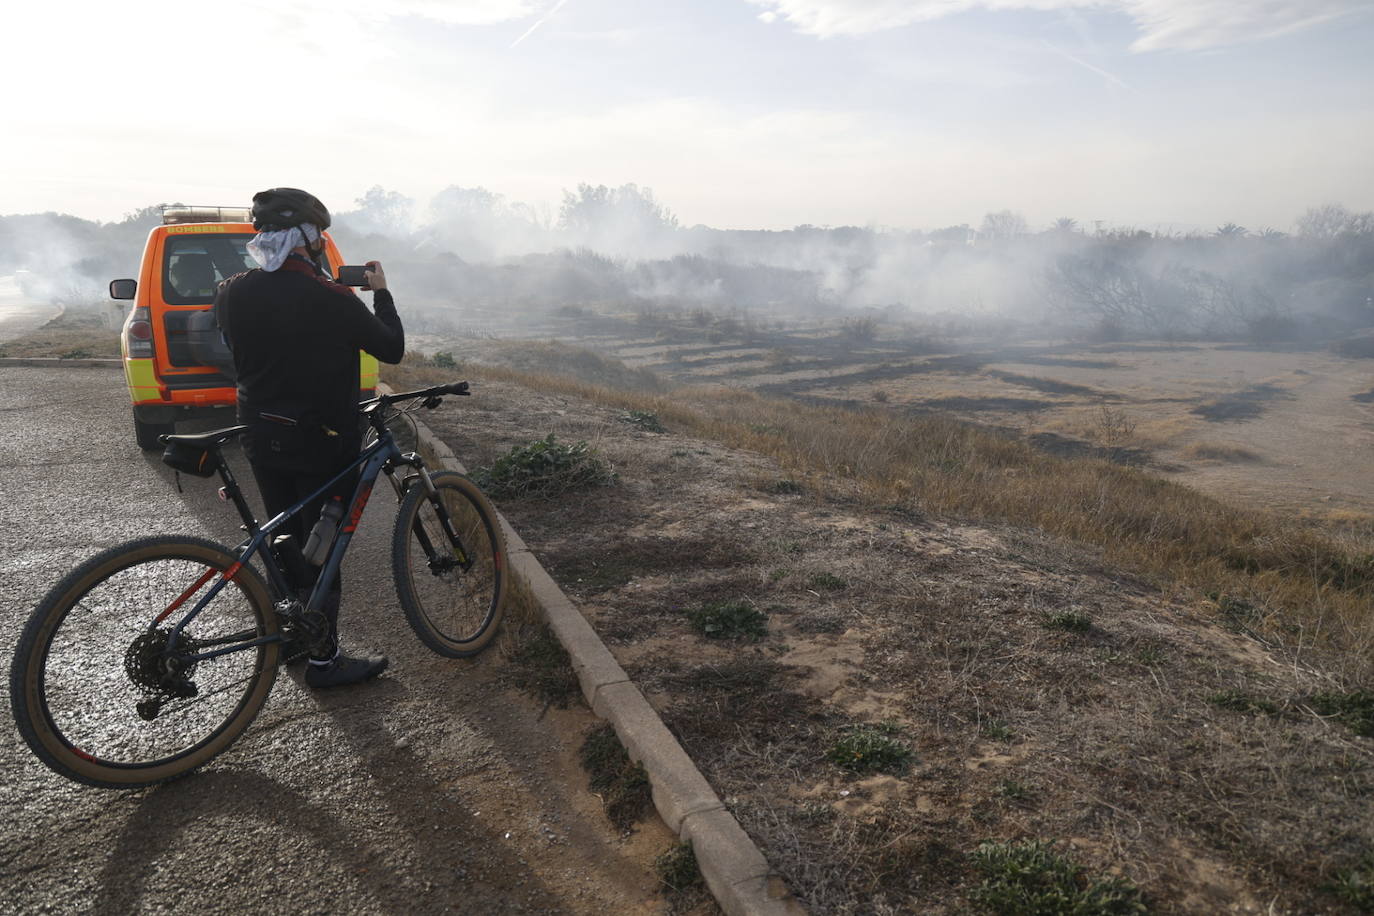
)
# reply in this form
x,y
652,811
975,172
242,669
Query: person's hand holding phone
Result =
x,y
375,277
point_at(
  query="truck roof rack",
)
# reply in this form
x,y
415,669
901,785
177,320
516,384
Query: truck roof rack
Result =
x,y
183,214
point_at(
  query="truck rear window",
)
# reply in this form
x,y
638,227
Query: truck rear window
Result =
x,y
193,265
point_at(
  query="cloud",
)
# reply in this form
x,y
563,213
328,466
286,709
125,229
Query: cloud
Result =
x,y
449,12
1188,25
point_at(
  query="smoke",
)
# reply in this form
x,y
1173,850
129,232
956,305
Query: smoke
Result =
x,y
469,255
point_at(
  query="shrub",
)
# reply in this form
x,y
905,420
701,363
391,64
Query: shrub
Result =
x,y
443,360
545,467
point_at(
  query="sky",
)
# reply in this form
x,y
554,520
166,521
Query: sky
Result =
x,y
1158,114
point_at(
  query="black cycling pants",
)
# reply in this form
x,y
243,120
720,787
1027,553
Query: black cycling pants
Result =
x,y
282,489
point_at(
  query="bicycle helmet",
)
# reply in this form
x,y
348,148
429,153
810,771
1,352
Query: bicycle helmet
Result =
x,y
282,208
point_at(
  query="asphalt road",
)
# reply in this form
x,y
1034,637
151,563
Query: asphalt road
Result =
x,y
436,788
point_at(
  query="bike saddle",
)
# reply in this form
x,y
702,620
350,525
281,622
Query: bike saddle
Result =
x,y
213,439
192,454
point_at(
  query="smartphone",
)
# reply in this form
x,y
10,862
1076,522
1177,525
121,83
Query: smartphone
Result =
x,y
352,276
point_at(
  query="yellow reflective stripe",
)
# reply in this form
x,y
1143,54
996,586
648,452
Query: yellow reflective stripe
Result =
x,y
367,370
142,380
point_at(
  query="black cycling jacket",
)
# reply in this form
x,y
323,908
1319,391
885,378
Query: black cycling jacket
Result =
x,y
295,335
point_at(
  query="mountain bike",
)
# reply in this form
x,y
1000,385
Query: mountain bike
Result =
x,y
154,655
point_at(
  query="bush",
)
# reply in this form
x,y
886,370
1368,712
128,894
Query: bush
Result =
x,y
545,467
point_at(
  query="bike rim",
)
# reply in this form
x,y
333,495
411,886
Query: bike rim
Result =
x,y
90,696
458,603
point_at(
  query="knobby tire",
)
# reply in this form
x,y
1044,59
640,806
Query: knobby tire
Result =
x,y
453,610
71,688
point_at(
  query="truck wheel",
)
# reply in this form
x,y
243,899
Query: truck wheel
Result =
x,y
147,433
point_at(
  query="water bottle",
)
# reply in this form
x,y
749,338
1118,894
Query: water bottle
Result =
x,y
322,535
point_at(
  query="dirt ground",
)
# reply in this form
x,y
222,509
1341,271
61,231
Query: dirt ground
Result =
x,y
1040,694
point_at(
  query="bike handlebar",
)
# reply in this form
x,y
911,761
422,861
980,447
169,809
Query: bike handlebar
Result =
x,y
456,388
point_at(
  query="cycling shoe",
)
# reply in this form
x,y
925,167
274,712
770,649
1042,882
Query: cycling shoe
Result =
x,y
343,670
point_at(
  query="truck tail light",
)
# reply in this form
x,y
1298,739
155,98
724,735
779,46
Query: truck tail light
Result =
x,y
139,334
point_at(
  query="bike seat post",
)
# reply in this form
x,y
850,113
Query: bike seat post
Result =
x,y
235,495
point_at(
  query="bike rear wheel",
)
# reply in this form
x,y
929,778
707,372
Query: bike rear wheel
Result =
x,y
105,694
449,560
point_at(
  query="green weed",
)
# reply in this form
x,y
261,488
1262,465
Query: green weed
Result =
x,y
545,467
997,730
1015,791
729,620
1240,701
622,785
541,666
1354,710
443,360
1029,878
871,748
1355,885
646,420
827,582
1069,621
677,868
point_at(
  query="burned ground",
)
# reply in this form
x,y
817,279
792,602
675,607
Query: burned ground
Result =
x,y
1041,694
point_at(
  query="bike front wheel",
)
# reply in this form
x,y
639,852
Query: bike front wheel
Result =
x,y
106,692
449,559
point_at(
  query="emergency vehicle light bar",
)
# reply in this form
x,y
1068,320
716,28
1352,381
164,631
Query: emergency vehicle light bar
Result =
x,y
174,215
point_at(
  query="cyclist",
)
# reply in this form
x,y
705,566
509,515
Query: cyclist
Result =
x,y
295,336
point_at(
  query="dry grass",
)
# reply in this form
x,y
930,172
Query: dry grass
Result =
x,y
1314,590
1086,423
71,336
1045,695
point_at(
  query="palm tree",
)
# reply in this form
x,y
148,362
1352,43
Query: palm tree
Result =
x,y
1231,231
1065,224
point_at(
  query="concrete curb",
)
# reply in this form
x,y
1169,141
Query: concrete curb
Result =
x,y
735,871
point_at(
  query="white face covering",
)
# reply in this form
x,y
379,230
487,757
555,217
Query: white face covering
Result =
x,y
270,249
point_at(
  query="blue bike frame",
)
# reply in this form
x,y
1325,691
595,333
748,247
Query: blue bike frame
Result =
x,y
382,455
